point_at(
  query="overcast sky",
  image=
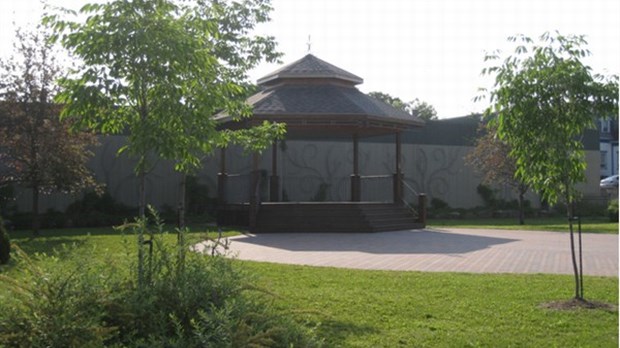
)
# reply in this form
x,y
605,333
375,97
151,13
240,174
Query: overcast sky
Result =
x,y
427,49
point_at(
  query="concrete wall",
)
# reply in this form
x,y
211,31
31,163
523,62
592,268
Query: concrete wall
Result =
x,y
319,169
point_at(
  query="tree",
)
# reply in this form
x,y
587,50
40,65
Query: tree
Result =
x,y
423,110
415,107
491,157
159,71
545,97
37,150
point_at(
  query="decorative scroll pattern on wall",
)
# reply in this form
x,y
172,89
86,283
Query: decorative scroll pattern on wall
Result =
x,y
309,171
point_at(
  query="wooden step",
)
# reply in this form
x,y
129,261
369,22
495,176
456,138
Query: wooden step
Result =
x,y
334,217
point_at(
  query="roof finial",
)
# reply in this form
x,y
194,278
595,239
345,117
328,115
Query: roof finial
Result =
x,y
309,43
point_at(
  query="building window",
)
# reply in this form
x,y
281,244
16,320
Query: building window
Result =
x,y
605,126
603,159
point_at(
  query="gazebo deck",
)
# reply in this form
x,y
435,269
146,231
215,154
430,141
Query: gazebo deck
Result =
x,y
322,217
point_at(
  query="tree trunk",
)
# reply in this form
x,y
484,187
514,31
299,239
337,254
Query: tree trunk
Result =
x,y
521,209
36,222
569,206
142,194
182,200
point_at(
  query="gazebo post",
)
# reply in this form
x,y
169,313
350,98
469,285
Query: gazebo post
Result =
x,y
222,177
254,192
356,182
274,180
398,176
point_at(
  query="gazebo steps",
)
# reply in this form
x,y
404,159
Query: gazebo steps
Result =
x,y
334,217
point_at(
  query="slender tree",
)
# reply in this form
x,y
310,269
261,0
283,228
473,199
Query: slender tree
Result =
x,y
491,157
37,150
159,70
545,97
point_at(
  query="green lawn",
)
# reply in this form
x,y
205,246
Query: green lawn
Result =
x,y
590,225
413,309
355,308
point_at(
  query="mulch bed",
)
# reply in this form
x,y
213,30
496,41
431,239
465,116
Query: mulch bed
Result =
x,y
576,303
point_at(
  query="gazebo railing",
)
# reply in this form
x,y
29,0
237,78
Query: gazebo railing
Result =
x,y
309,188
374,188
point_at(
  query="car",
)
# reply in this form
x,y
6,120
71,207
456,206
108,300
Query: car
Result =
x,y
610,182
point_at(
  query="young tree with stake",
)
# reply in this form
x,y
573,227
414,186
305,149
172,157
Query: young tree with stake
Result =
x,y
159,70
545,97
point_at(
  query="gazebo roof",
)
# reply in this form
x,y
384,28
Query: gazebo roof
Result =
x,y
311,94
309,67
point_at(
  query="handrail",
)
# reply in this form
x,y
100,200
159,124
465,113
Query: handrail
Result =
x,y
237,175
380,176
415,212
410,188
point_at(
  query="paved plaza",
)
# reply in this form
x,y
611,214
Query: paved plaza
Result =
x,y
434,250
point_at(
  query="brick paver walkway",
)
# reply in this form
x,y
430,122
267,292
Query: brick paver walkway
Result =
x,y
433,250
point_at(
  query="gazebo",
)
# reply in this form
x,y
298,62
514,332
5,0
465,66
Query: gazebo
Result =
x,y
314,97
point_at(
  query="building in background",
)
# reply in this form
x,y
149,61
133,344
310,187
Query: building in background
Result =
x,y
608,130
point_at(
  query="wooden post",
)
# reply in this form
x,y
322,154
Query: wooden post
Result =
x,y
222,177
398,176
274,180
422,209
356,181
254,198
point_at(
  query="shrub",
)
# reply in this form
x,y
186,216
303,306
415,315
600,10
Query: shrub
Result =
x,y
171,297
98,210
612,209
439,204
7,200
53,219
488,196
59,306
5,244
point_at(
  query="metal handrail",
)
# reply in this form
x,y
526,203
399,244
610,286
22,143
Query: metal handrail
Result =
x,y
237,175
381,176
415,212
410,188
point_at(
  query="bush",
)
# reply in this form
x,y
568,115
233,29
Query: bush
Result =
x,y
439,204
198,201
171,297
97,210
7,200
60,306
612,210
5,244
53,219
488,196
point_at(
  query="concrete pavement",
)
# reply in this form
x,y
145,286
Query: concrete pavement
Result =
x,y
434,250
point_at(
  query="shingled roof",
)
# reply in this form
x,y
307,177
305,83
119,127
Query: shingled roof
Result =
x,y
311,93
310,67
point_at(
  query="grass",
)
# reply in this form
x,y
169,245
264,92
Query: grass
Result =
x,y
103,242
355,308
413,309
555,224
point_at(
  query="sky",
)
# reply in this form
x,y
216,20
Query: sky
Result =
x,y
432,50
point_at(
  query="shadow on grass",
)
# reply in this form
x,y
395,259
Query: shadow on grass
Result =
x,y
57,246
338,331
107,231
